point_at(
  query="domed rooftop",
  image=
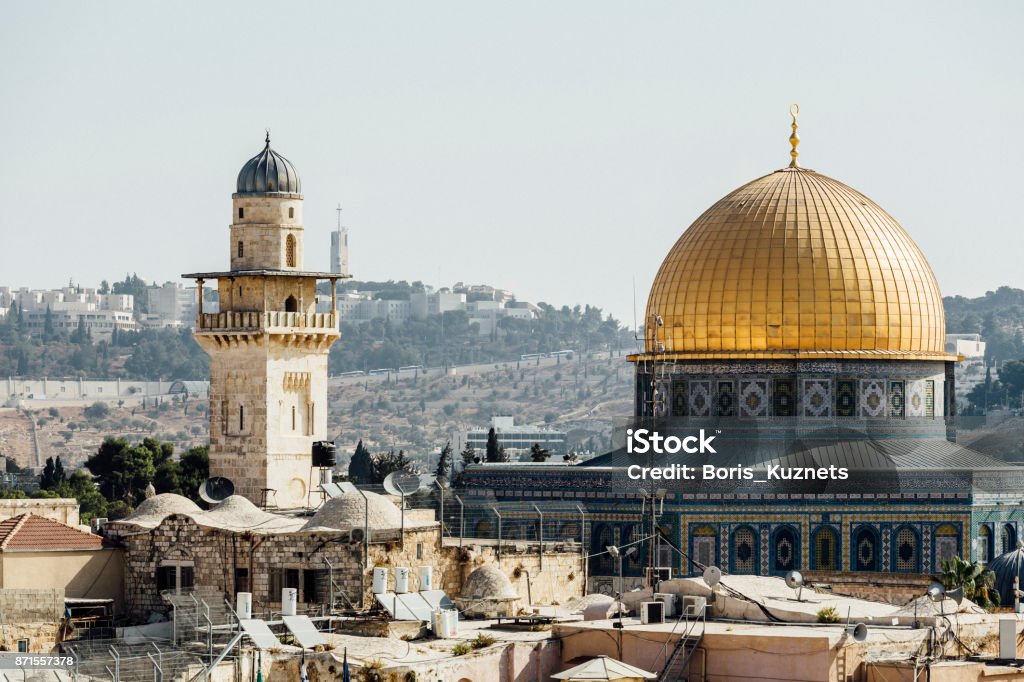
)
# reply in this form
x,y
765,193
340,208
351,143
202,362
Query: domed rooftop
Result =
x,y
155,509
268,173
488,582
1006,567
349,510
795,264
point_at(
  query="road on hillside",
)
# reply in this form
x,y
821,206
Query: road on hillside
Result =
x,y
466,370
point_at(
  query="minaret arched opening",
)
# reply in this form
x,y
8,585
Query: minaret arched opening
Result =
x,y
289,251
291,305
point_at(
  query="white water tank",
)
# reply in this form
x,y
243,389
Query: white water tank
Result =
x,y
425,578
289,601
446,623
380,580
243,605
401,579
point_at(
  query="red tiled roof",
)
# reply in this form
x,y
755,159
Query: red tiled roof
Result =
x,y
28,531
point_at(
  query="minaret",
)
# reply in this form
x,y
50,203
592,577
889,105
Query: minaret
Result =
x,y
339,248
267,345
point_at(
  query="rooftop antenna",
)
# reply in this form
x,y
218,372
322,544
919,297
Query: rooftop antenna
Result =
x,y
339,209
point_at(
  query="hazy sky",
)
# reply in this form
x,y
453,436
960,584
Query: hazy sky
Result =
x,y
557,149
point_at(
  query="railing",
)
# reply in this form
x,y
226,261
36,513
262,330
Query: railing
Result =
x,y
678,662
255,320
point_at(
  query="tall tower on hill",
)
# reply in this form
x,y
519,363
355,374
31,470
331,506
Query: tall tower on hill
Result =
x,y
267,344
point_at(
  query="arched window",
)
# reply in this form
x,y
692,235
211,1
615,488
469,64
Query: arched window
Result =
x,y
602,564
825,548
947,544
984,544
291,211
241,417
241,212
705,546
289,251
241,249
866,556
907,550
1007,538
785,550
743,557
633,561
291,305
483,529
293,417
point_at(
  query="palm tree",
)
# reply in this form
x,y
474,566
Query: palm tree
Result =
x,y
977,581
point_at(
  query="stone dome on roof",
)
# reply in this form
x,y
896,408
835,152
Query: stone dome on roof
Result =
x,y
155,509
795,264
349,510
1006,567
488,582
268,173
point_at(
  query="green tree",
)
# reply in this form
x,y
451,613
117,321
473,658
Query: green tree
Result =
x,y
53,474
1011,376
468,454
98,410
360,467
539,454
493,454
194,468
444,461
389,463
977,581
122,471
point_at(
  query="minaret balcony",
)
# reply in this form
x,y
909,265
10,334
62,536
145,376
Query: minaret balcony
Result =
x,y
232,327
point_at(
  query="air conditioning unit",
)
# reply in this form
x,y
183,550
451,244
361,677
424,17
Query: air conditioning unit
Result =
x,y
359,535
652,612
694,606
669,600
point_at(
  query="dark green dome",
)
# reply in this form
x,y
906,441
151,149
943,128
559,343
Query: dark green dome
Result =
x,y
268,173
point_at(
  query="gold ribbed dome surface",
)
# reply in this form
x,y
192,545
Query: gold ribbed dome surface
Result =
x,y
795,264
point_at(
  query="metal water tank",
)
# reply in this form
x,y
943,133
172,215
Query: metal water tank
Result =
x,y
380,580
401,579
324,454
289,601
425,578
243,605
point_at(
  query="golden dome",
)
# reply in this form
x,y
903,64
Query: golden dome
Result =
x,y
795,265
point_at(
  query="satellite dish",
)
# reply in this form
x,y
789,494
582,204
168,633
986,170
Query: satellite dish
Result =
x,y
402,483
712,575
859,632
216,489
795,581
936,591
956,595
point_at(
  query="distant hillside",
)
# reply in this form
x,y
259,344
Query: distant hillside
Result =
x,y
998,316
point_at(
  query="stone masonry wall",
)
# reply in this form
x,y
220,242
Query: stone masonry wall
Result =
x,y
225,561
30,614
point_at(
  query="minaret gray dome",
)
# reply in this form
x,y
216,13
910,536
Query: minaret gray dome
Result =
x,y
268,173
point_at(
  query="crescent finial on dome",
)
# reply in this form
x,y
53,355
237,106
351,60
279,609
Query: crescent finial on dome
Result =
x,y
794,138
